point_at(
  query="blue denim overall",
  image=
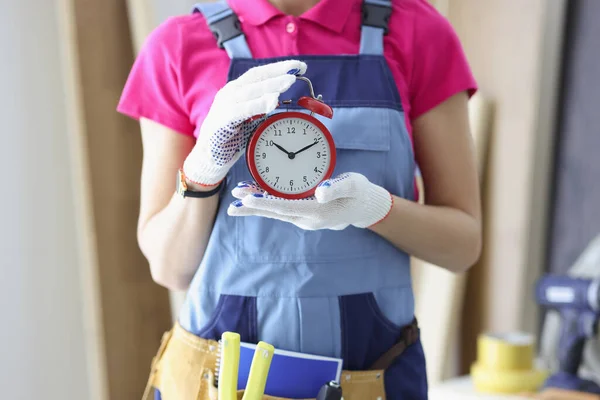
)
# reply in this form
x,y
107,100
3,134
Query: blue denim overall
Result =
x,y
334,293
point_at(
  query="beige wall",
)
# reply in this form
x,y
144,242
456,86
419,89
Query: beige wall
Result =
x,y
131,311
513,48
45,330
495,35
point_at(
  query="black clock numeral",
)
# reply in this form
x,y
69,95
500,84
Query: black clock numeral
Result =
x,y
277,132
267,169
269,143
318,154
304,131
317,170
264,155
305,178
291,183
276,179
291,130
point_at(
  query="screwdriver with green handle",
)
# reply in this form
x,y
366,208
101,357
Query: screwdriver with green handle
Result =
x,y
229,368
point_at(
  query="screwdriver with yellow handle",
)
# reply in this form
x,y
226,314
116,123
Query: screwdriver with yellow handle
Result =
x,y
228,369
259,369
228,366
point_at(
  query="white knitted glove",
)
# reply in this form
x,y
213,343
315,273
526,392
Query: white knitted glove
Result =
x,y
349,199
224,134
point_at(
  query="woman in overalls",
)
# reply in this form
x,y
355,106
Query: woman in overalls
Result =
x,y
331,278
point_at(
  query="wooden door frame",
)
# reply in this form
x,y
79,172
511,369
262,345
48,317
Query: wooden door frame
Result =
x,y
550,77
126,312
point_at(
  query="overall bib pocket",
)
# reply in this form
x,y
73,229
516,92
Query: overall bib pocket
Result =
x,y
370,340
367,333
234,314
362,140
407,376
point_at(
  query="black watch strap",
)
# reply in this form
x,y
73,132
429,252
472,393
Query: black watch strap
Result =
x,y
202,194
183,190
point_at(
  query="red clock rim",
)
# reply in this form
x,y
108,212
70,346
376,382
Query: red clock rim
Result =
x,y
256,136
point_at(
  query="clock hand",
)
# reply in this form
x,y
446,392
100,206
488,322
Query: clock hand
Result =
x,y
307,147
290,155
281,148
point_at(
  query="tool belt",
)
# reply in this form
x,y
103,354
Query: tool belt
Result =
x,y
183,369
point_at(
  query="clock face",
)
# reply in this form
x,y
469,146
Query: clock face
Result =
x,y
290,154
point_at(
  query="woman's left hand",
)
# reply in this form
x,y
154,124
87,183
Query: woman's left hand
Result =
x,y
348,199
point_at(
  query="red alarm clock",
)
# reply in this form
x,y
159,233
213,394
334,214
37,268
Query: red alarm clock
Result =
x,y
292,152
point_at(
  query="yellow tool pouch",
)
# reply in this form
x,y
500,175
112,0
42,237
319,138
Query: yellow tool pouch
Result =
x,y
183,369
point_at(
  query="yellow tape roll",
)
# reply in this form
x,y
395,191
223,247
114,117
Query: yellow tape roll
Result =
x,y
505,364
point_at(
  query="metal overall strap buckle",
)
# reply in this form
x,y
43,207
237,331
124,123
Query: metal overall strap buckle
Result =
x,y
410,334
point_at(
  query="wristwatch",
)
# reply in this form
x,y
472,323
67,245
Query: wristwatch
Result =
x,y
183,191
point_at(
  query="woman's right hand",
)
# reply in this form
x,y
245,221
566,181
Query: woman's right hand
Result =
x,y
224,134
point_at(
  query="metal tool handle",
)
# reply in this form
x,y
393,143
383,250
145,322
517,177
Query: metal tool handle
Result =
x,y
576,328
330,391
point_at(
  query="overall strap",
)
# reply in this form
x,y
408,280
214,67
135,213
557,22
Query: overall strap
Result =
x,y
225,25
376,15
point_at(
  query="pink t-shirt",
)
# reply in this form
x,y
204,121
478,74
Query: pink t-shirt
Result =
x,y
180,68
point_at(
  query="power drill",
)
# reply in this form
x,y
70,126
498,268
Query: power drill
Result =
x,y
578,301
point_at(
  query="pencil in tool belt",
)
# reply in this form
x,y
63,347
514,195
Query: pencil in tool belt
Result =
x,y
259,369
228,366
